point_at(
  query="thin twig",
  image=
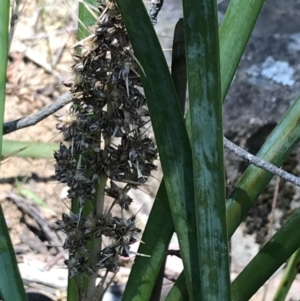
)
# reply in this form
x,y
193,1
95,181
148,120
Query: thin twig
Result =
x,y
174,253
64,99
261,163
31,211
271,224
59,54
31,56
27,121
54,261
274,204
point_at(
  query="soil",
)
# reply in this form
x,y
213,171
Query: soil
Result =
x,y
40,60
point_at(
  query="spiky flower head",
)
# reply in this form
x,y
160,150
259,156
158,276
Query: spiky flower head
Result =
x,y
105,139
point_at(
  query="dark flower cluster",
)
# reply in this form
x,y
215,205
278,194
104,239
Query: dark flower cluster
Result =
x,y
80,229
104,139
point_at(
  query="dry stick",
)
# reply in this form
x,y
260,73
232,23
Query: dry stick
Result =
x,y
27,121
274,204
172,252
31,211
261,163
59,54
271,224
64,99
31,56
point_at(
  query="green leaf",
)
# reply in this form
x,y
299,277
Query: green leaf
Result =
x,y
31,195
179,291
235,30
204,85
288,277
281,246
85,18
178,67
26,149
275,150
154,243
170,133
234,34
4,19
11,285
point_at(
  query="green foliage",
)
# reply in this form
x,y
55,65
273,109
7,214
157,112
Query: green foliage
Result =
x,y
191,198
280,247
289,276
146,268
168,125
234,33
25,149
28,194
204,86
276,149
11,285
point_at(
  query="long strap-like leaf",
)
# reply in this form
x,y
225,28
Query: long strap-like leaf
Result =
x,y
11,285
276,149
153,250
235,31
237,16
204,86
281,246
170,132
288,277
158,232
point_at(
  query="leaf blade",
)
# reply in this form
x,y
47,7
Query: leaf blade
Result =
x,y
288,277
11,285
155,242
204,85
25,149
280,247
275,150
235,31
169,129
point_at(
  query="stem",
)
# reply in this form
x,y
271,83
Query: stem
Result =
x,y
97,242
288,277
99,208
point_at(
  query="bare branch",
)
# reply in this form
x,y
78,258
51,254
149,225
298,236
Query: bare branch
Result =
x,y
174,253
44,225
27,121
261,163
64,99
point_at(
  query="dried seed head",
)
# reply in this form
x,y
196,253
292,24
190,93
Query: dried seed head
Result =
x,y
105,129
